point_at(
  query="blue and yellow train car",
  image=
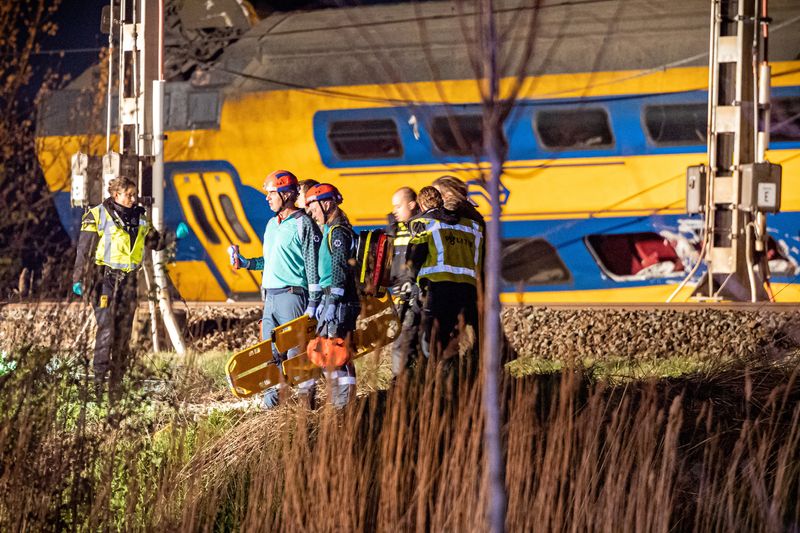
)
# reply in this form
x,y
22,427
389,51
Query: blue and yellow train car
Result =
x,y
610,110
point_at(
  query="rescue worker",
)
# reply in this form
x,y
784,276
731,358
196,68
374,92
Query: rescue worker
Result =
x,y
117,231
302,188
446,255
290,284
403,285
341,305
455,195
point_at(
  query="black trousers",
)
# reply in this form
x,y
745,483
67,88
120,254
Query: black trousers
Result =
x,y
447,308
114,308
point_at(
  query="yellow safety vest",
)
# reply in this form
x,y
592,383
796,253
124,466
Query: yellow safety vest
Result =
x,y
114,247
402,235
454,250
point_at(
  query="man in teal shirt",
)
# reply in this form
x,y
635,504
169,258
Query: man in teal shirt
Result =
x,y
290,285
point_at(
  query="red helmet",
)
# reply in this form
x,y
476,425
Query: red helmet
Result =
x,y
281,181
323,191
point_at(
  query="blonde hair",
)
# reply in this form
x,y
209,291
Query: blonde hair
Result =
x,y
454,191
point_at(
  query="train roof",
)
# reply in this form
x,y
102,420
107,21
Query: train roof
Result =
x,y
424,41
437,40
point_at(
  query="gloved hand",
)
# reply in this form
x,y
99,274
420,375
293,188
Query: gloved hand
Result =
x,y
237,260
182,231
320,311
329,315
405,290
311,310
77,288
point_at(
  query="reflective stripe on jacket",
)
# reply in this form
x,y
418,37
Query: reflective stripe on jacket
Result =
x,y
114,248
454,250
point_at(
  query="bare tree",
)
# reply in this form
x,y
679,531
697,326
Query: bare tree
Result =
x,y
26,227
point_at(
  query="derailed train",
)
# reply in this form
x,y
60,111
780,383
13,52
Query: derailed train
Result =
x,y
611,110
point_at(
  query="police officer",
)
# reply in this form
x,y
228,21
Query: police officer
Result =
x,y
446,254
118,231
337,317
455,195
404,287
290,284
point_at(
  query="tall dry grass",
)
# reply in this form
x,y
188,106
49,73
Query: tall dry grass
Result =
x,y
718,453
711,452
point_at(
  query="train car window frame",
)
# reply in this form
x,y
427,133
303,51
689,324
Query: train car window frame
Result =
x,y
669,111
444,137
229,210
789,121
196,205
513,249
781,262
602,254
336,138
578,127
203,109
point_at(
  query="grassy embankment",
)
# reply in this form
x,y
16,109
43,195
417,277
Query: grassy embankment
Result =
x,y
715,449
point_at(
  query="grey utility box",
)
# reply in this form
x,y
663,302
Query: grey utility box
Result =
x,y
696,178
761,187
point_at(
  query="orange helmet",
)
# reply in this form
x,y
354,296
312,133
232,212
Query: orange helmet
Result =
x,y
323,191
281,181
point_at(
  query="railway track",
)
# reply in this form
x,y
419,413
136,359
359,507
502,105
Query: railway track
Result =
x,y
551,331
611,306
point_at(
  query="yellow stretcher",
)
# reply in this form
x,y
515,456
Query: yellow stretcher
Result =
x,y
253,369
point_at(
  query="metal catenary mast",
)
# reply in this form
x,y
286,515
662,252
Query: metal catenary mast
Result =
x,y
737,187
136,44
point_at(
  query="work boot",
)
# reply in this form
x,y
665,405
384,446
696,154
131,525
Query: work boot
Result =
x,y
98,390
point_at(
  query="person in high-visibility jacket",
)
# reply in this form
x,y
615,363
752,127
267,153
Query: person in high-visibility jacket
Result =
x,y
446,253
341,305
118,232
404,288
290,284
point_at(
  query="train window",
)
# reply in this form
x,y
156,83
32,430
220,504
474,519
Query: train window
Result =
x,y
574,129
532,262
202,220
203,109
676,124
785,119
233,220
365,139
634,255
458,134
780,261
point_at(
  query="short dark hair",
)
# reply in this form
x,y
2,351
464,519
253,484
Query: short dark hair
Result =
x,y
304,185
429,198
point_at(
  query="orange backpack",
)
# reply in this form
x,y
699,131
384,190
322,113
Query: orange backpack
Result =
x,y
328,352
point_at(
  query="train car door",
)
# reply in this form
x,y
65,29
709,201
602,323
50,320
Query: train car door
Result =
x,y
215,213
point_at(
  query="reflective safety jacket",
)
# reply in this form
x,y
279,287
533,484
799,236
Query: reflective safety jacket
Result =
x,y
116,248
400,273
446,247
